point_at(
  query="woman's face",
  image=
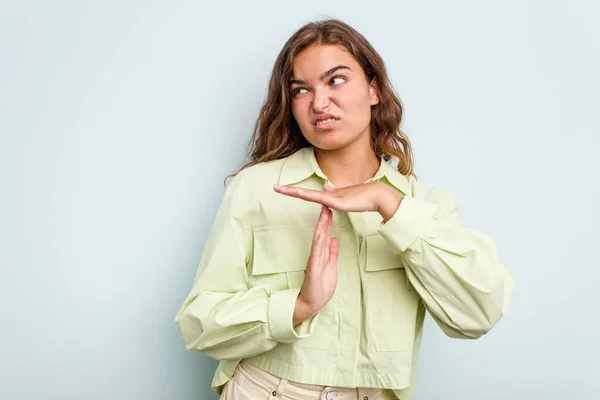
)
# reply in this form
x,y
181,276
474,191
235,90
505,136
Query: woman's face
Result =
x,y
331,97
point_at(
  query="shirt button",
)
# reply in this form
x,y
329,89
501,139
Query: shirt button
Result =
x,y
366,398
274,393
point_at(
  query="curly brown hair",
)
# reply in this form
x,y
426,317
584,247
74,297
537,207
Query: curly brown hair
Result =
x,y
277,134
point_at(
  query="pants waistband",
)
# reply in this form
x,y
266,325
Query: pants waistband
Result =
x,y
270,382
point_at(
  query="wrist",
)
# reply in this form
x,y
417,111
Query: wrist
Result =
x,y
302,312
389,202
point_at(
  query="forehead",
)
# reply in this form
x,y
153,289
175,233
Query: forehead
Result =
x,y
311,62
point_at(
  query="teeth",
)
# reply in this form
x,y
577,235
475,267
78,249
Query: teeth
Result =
x,y
324,121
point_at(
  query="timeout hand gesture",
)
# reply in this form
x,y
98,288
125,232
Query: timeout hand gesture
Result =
x,y
321,275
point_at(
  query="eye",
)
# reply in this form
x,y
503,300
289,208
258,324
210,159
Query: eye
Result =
x,y
298,91
337,80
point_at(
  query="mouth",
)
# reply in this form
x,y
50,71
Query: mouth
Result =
x,y
325,122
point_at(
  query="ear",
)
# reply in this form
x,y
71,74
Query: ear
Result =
x,y
373,92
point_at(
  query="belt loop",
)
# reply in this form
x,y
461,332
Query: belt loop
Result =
x,y
277,393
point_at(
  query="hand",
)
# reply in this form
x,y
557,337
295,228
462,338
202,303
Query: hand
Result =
x,y
320,279
372,196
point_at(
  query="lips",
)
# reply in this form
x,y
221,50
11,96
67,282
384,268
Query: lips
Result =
x,y
325,119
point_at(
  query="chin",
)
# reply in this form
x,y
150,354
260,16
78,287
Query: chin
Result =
x,y
326,141
329,145
329,140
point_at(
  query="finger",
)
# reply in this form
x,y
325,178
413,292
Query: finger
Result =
x,y
334,251
320,222
320,245
329,222
328,188
326,237
329,229
315,259
305,194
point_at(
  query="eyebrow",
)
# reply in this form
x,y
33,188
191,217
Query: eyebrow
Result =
x,y
325,75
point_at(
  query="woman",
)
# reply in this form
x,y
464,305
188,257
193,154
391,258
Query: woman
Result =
x,y
323,257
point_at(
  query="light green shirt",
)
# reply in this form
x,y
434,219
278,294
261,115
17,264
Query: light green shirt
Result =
x,y
368,335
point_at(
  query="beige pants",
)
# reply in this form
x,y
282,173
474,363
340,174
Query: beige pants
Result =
x,y
251,383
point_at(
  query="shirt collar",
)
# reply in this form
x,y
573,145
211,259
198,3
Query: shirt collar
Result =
x,y
303,164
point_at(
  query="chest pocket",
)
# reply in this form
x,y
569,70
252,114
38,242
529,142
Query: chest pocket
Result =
x,y
280,257
390,299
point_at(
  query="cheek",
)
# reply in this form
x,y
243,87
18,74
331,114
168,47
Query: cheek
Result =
x,y
299,112
362,100
358,104
353,95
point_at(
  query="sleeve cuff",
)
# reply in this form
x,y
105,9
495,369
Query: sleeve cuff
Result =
x,y
407,223
281,313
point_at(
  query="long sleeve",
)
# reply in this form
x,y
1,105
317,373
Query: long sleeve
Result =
x,y
223,316
455,270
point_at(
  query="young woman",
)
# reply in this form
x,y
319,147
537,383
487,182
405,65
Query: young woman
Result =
x,y
323,257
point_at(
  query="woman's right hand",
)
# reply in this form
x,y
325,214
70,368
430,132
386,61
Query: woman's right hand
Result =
x,y
320,279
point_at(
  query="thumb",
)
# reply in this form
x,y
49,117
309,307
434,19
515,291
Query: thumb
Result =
x,y
328,188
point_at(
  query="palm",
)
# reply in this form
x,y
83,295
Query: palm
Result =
x,y
321,279
321,272
357,198
372,196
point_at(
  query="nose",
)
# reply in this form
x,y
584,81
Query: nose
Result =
x,y
321,101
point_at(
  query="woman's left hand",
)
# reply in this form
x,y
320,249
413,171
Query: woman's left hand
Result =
x,y
372,196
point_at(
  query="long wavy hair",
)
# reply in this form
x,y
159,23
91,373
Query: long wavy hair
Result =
x,y
276,133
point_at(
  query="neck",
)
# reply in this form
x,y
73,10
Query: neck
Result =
x,y
348,166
